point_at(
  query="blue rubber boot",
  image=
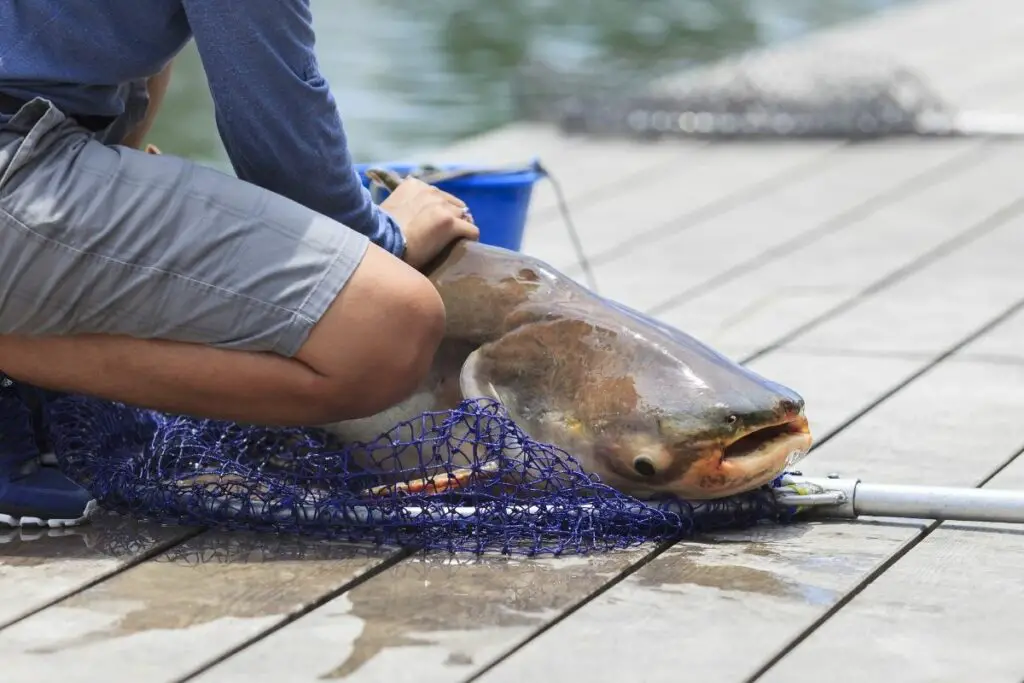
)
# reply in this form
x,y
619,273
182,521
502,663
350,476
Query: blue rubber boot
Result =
x,y
32,490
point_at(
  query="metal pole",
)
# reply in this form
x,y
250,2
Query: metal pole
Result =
x,y
851,498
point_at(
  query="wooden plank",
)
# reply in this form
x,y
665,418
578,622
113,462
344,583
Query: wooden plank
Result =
x,y
947,611
596,174
594,171
706,184
616,189
973,283
724,608
38,567
769,301
1003,348
161,619
996,356
705,610
595,168
587,168
502,145
583,166
957,401
584,169
746,236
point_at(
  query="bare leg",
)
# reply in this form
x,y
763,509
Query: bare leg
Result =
x,y
370,349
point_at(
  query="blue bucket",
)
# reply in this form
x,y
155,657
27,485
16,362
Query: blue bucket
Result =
x,y
498,201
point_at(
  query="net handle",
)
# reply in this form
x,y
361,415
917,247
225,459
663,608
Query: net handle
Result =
x,y
852,498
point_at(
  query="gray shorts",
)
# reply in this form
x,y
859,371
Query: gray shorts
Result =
x,y
104,239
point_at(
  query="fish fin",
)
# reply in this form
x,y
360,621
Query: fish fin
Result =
x,y
536,367
460,477
471,382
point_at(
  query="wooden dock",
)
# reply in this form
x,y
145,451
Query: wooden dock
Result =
x,y
883,281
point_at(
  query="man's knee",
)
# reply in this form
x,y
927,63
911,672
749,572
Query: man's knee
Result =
x,y
404,352
377,341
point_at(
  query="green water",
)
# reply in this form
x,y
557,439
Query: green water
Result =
x,y
411,76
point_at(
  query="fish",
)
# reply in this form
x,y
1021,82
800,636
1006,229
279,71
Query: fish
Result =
x,y
644,407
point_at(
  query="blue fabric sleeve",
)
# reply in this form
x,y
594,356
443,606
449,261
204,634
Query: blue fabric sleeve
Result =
x,y
275,112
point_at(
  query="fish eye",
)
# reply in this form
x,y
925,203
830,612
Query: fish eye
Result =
x,y
732,419
644,466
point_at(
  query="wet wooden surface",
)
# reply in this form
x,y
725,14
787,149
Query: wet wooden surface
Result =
x,y
883,281
946,611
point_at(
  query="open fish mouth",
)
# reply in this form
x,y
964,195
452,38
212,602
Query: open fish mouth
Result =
x,y
772,441
749,461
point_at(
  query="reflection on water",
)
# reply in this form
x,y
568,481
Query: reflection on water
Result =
x,y
415,76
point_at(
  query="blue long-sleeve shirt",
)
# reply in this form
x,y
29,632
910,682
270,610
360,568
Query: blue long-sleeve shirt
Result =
x,y
275,112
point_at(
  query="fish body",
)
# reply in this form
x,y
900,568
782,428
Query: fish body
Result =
x,y
646,407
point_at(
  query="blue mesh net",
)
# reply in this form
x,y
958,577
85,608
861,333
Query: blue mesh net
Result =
x,y
517,497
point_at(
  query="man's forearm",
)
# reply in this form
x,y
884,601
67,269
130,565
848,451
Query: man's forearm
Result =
x,y
156,86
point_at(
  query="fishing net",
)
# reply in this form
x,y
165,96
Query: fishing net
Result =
x,y
520,497
776,95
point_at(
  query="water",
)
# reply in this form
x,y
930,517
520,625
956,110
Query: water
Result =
x,y
416,76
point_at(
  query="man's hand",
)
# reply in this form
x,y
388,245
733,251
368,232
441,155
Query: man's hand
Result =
x,y
430,220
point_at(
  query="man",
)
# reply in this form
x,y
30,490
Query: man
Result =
x,y
283,296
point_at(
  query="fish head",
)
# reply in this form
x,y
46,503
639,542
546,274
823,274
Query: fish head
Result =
x,y
648,408
693,423
698,430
